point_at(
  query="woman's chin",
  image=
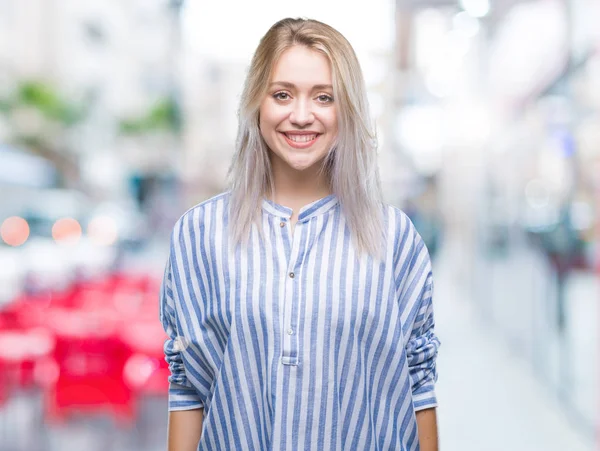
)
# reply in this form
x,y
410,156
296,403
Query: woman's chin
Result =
x,y
297,161
301,165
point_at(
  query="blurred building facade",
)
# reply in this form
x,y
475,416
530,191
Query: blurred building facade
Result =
x,y
117,61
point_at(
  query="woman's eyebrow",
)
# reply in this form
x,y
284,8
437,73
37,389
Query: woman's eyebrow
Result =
x,y
287,84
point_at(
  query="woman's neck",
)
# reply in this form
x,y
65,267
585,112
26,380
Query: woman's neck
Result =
x,y
295,189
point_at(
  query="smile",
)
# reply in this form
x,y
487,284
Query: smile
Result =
x,y
301,141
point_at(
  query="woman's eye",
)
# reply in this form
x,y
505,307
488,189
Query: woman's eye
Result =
x,y
324,98
281,95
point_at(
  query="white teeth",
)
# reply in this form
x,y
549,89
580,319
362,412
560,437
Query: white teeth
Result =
x,y
301,138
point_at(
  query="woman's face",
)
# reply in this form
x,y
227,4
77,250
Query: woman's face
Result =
x,y
298,119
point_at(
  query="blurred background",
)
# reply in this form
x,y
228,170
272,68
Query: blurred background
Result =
x,y
116,116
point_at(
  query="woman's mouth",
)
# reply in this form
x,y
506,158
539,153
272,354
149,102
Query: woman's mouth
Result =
x,y
301,140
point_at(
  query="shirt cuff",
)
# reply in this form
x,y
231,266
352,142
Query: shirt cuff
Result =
x,y
183,398
424,397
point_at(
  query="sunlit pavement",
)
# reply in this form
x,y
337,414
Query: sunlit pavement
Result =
x,y
489,397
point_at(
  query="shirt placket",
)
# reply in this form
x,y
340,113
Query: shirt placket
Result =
x,y
289,349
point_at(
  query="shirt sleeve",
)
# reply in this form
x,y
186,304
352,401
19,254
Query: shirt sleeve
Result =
x,y
182,394
414,273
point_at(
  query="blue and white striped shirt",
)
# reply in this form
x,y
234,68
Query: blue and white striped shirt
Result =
x,y
295,342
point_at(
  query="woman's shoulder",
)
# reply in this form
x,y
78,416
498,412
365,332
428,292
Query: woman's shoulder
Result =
x,y
396,218
403,235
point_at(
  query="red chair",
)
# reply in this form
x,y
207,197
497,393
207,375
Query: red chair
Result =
x,y
3,385
21,351
146,371
141,282
23,344
90,359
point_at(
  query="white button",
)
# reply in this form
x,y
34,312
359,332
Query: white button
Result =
x,y
290,332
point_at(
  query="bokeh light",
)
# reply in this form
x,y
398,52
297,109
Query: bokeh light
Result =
x,y
14,231
66,231
102,230
476,8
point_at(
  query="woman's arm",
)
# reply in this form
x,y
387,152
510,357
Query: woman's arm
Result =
x,y
185,404
185,429
428,431
414,276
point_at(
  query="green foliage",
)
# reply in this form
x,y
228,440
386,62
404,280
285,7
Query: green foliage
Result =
x,y
164,115
44,98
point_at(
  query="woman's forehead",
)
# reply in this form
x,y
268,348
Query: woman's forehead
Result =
x,y
302,67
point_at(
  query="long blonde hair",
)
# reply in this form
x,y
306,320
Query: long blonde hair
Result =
x,y
350,165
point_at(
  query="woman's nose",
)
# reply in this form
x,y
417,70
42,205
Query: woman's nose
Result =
x,y
301,113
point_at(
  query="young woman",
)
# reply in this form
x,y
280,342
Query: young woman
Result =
x,y
298,305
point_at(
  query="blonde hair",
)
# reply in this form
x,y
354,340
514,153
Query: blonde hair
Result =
x,y
350,165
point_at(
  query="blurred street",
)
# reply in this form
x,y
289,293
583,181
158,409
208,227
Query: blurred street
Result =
x,y
489,399
116,116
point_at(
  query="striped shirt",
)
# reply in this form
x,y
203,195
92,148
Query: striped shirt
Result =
x,y
294,342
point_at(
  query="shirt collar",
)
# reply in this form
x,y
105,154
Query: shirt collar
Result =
x,y
316,208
